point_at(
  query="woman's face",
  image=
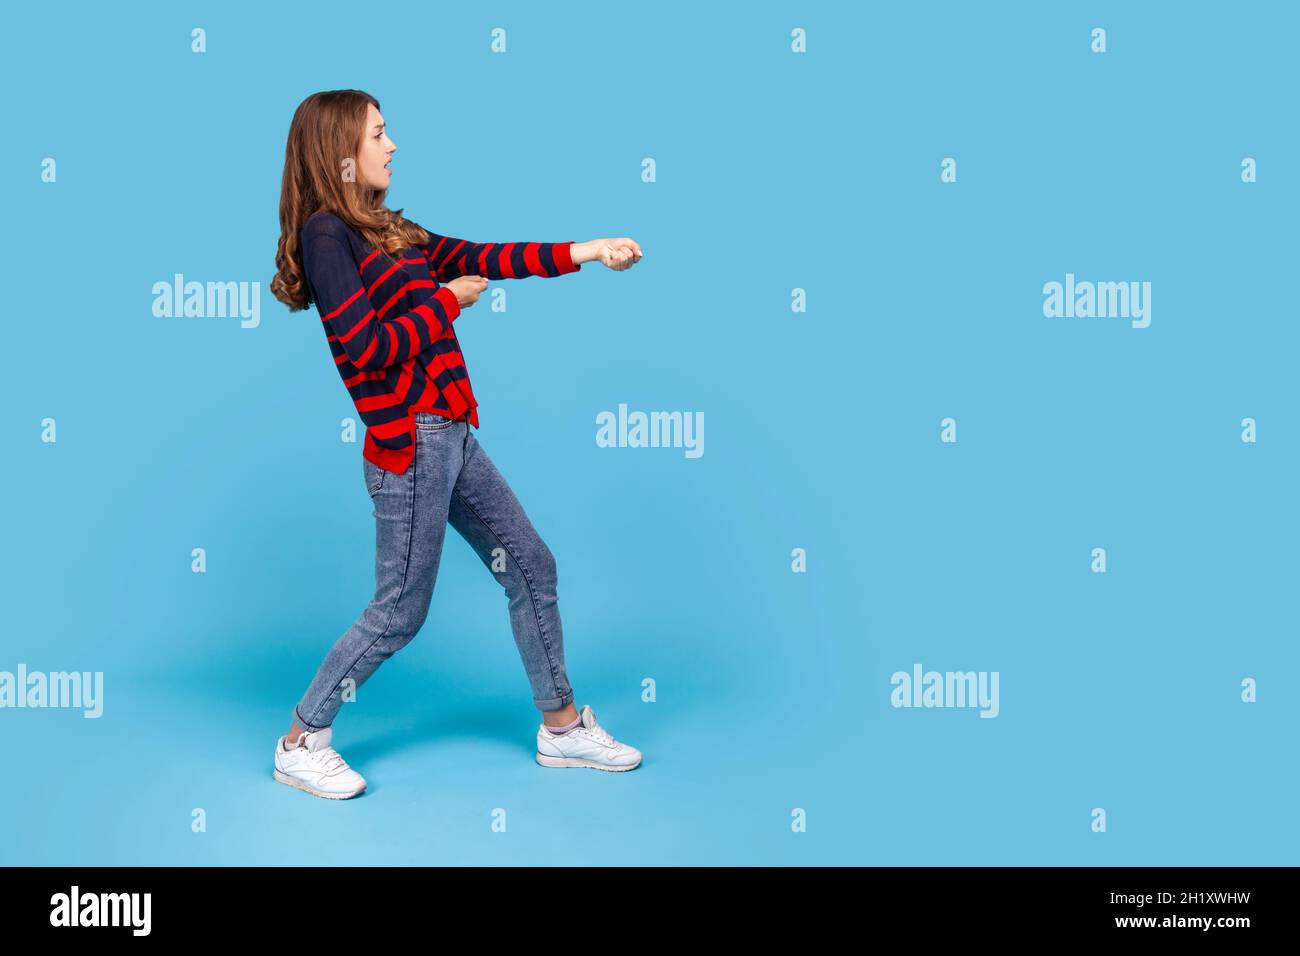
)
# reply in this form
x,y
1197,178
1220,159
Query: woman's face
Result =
x,y
376,150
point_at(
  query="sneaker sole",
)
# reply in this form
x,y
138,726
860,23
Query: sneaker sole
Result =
x,y
284,778
548,761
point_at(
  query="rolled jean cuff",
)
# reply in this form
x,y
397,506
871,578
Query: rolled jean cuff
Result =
x,y
554,703
306,727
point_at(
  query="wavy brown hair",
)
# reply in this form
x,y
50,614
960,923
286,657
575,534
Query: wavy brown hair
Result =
x,y
325,132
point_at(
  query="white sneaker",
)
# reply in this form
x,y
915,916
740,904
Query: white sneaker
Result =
x,y
586,745
313,765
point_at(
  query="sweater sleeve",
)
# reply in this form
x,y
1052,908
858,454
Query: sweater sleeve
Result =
x,y
371,343
451,258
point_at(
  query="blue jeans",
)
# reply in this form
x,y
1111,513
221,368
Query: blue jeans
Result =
x,y
450,480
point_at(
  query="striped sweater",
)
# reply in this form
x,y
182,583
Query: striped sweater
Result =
x,y
389,323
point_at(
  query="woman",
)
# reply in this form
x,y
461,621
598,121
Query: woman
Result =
x,y
388,293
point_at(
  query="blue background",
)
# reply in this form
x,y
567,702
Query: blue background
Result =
x,y
775,171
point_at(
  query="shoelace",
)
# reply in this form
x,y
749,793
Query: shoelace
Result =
x,y
328,759
600,734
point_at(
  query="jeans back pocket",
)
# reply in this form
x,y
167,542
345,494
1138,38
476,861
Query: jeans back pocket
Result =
x,y
374,476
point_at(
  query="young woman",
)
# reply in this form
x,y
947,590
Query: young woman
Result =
x,y
388,292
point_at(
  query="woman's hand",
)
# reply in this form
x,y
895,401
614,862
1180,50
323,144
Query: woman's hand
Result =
x,y
618,254
467,289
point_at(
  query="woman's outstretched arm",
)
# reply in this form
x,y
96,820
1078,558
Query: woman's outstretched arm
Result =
x,y
450,258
